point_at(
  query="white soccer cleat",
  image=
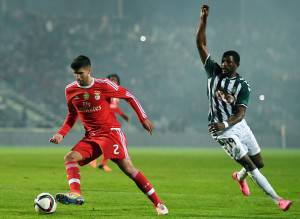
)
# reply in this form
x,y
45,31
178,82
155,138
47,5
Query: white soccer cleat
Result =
x,y
161,209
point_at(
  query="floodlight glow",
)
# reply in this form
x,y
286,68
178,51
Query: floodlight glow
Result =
x,y
143,38
261,97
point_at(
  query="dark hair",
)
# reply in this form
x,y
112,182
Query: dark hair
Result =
x,y
234,54
114,76
80,61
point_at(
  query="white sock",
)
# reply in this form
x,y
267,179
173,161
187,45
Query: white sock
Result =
x,y
242,174
263,183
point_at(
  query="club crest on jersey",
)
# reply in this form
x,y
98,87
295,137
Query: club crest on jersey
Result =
x,y
86,96
97,95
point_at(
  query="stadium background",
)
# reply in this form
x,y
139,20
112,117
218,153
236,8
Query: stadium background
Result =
x,y
40,38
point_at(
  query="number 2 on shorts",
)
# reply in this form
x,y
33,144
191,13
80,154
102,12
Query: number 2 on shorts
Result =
x,y
116,148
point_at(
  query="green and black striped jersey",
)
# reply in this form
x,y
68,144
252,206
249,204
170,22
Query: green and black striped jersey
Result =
x,y
224,93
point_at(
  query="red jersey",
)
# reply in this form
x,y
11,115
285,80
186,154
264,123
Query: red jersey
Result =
x,y
114,106
92,105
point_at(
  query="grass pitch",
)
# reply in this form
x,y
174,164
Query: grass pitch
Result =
x,y
194,183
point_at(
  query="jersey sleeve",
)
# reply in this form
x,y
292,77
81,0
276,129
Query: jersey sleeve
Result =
x,y
111,89
211,67
244,94
70,120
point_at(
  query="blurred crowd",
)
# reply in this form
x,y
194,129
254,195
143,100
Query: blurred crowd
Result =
x,y
162,69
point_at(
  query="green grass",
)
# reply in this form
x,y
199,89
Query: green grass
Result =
x,y
194,183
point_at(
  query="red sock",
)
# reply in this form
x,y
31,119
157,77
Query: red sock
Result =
x,y
146,187
73,176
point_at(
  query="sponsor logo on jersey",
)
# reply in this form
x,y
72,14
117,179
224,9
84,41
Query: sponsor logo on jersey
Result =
x,y
89,109
224,96
97,95
86,96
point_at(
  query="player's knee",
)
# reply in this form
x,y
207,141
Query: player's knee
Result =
x,y
247,164
69,157
260,165
130,171
249,167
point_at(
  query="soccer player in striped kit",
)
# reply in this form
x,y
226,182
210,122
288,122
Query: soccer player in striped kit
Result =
x,y
88,99
228,95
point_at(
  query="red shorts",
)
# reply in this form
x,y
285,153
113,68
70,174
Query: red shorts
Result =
x,y
112,145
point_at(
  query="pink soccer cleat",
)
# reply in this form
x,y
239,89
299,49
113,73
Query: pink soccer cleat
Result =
x,y
243,184
284,204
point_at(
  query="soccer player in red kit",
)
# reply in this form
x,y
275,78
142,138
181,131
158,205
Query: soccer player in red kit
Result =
x,y
88,99
116,109
114,102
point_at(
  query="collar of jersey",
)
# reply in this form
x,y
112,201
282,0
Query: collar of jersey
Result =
x,y
87,86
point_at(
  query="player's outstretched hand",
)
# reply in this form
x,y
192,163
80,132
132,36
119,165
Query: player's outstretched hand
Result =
x,y
56,139
147,124
216,127
204,11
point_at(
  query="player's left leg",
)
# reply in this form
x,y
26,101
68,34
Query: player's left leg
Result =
x,y
263,183
143,184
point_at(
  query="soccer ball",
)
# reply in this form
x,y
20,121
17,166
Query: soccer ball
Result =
x,y
45,203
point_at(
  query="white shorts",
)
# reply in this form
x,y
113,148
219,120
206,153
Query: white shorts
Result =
x,y
238,140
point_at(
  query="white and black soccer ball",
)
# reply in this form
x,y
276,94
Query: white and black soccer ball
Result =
x,y
45,203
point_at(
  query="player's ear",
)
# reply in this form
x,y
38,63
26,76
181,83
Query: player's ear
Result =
x,y
90,70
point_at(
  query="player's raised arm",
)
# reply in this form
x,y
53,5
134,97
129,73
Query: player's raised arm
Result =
x,y
201,35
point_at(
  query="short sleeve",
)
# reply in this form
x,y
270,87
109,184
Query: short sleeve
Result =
x,y
211,67
244,94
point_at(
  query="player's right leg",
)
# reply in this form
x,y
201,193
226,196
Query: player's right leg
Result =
x,y
257,160
73,174
240,176
143,184
82,153
234,148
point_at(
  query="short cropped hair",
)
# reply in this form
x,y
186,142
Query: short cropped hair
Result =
x,y
114,76
80,61
234,54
